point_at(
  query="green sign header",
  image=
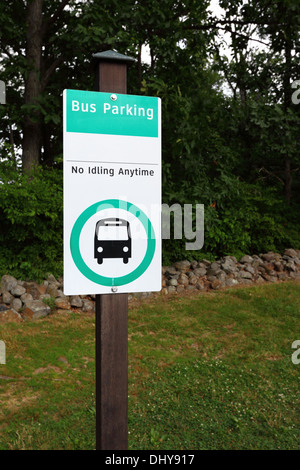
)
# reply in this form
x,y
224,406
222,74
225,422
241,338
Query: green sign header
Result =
x,y
94,112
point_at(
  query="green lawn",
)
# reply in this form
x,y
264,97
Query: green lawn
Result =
x,y
206,371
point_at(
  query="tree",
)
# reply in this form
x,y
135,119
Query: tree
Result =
x,y
261,80
44,45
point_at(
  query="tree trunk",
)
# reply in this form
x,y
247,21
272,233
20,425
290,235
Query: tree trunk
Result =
x,y
32,126
287,180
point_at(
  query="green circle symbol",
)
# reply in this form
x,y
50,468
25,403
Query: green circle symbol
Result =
x,y
76,232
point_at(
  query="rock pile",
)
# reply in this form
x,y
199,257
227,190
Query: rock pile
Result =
x,y
228,272
22,300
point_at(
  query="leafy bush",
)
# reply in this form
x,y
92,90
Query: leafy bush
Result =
x,y
31,215
248,219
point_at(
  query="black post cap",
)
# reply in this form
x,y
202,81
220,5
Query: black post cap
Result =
x,y
112,55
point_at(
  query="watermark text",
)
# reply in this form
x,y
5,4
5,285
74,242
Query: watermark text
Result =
x,y
296,354
2,353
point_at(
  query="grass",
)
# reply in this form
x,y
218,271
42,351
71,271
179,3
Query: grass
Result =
x,y
206,371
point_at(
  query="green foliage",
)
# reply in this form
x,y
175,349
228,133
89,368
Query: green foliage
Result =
x,y
51,303
241,218
256,223
237,153
31,223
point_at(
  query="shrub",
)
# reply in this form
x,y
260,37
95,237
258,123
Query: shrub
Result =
x,y
31,216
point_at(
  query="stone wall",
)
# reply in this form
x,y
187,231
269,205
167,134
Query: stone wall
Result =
x,y
22,300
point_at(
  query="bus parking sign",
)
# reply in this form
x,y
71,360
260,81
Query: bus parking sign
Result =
x,y
112,193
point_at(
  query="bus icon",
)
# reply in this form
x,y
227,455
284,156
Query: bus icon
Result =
x,y
112,239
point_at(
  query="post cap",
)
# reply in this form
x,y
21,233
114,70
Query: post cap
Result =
x,y
113,55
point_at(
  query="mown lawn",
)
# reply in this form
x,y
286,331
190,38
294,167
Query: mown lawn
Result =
x,y
206,371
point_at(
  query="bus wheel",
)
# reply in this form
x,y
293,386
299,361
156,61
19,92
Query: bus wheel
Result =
x,y
100,260
125,260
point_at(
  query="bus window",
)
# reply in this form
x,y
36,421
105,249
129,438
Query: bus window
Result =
x,y
112,239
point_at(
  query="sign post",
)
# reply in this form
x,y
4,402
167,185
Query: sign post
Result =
x,y
111,319
112,222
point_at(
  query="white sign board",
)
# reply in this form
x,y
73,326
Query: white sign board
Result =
x,y
112,193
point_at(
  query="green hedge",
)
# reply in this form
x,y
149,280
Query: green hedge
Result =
x,y
31,218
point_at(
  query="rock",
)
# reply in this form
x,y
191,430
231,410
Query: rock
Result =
x,y
245,275
33,289
217,284
246,259
257,262
190,287
52,289
295,275
269,267
273,273
290,266
230,282
249,268
8,283
76,301
51,278
270,256
183,266
17,304
7,298
278,266
171,289
183,280
291,253
193,280
180,289
283,276
170,270
18,290
215,266
200,272
10,315
246,281
204,263
26,297
45,297
88,306
62,303
172,282
213,271
229,266
221,276
200,285
35,309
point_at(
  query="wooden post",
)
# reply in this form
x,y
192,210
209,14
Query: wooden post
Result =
x,y
111,310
